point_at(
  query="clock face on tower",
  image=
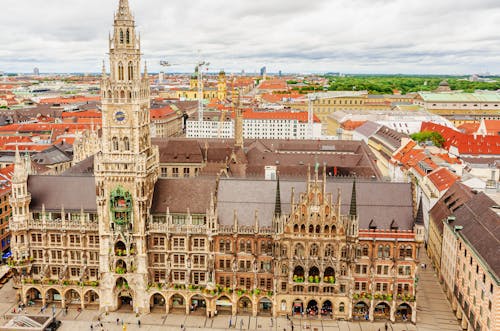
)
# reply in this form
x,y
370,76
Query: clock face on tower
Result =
x,y
120,117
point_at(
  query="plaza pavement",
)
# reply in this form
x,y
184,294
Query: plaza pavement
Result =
x,y
433,314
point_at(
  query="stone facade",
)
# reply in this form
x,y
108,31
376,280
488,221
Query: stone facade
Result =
x,y
121,238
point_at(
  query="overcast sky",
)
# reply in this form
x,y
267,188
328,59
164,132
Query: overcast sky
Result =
x,y
350,36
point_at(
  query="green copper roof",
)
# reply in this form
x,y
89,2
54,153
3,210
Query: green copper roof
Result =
x,y
461,97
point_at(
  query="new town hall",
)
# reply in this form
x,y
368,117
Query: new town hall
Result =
x,y
123,236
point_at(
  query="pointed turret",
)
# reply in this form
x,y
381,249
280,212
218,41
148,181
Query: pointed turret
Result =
x,y
20,172
277,202
123,11
353,208
419,217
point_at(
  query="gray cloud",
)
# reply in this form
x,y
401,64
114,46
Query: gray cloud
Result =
x,y
387,36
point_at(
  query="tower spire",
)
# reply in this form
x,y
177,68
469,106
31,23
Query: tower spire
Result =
x,y
277,202
419,218
353,208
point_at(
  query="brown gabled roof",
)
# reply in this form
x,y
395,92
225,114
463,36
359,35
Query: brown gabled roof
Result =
x,y
381,202
453,199
179,151
481,228
181,194
74,193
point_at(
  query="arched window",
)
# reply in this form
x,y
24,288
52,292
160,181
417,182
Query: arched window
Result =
x,y
343,252
109,94
314,250
387,251
128,36
120,71
303,228
242,245
126,144
115,143
409,251
380,251
121,36
327,229
341,307
329,250
334,229
365,250
221,245
402,251
299,250
296,228
122,94
318,229
284,250
130,70
249,247
311,228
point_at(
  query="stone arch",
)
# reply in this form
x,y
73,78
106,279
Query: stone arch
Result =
x,y
91,299
297,307
128,36
33,295
382,311
157,302
114,141
130,71
296,228
403,312
318,229
360,310
197,304
326,308
333,230
72,297
121,36
108,94
223,305
298,273
120,247
120,267
122,94
53,296
312,308
265,307
327,229
120,71
303,228
313,274
244,306
329,275
177,303
311,228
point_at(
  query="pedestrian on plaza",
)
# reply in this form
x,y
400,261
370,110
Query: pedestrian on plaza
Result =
x,y
230,322
91,327
386,326
117,321
241,324
122,321
139,323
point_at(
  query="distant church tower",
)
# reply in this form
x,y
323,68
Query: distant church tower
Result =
x,y
222,86
126,170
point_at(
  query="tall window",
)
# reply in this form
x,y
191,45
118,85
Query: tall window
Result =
x,y
130,70
128,36
120,71
126,144
121,36
115,143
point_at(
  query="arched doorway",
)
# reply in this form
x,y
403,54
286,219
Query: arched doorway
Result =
x,y
360,311
312,308
33,297
53,297
91,300
157,303
265,307
245,306
297,307
198,305
72,298
326,309
124,297
313,275
298,274
177,304
120,267
382,311
403,312
223,305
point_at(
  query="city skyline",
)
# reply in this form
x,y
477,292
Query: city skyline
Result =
x,y
386,37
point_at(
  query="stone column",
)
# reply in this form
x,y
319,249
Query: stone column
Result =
x,y
370,311
393,311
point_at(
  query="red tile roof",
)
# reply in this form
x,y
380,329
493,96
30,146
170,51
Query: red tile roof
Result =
x,y
163,112
466,144
468,128
273,84
277,115
83,114
351,125
69,100
442,178
492,127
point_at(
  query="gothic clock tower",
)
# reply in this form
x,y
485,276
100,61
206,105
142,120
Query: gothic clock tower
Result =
x,y
126,169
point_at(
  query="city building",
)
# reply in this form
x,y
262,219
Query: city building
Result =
x,y
110,234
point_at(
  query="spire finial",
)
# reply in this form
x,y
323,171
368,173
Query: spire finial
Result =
x,y
353,208
277,202
103,68
145,69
